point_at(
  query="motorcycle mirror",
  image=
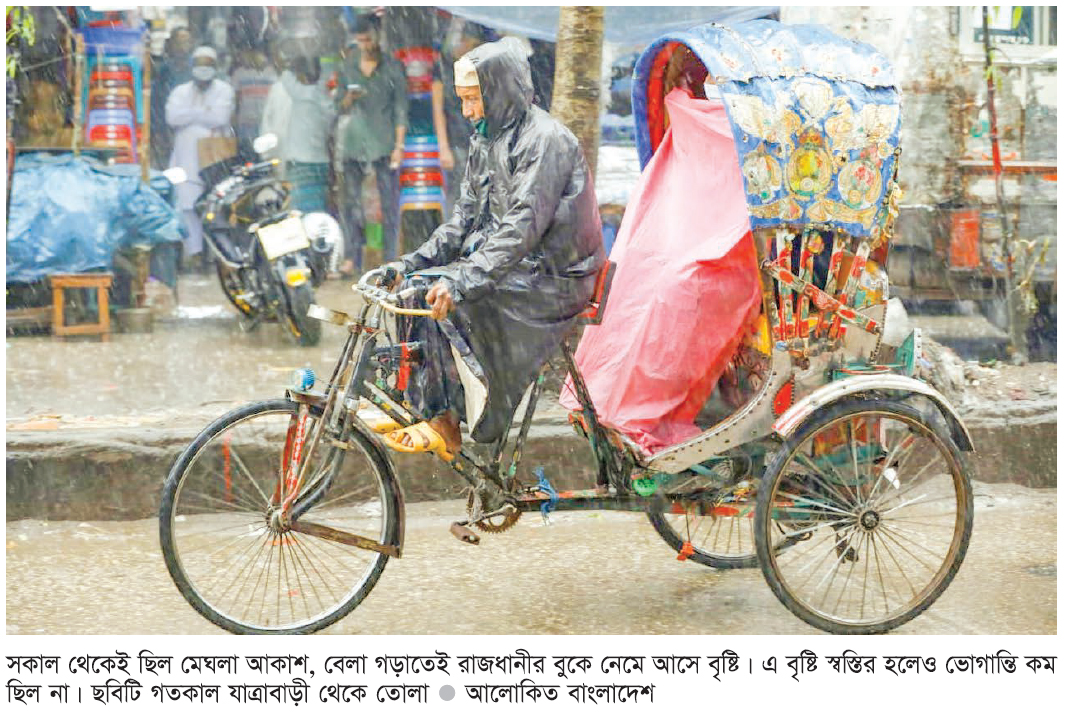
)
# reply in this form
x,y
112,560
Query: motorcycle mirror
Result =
x,y
176,175
264,143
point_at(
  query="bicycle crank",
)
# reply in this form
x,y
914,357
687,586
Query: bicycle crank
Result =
x,y
493,522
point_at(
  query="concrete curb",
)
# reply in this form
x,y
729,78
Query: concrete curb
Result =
x,y
117,472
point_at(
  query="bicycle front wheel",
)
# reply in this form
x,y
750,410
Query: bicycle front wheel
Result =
x,y
240,564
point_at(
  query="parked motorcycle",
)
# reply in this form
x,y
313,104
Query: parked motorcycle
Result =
x,y
269,259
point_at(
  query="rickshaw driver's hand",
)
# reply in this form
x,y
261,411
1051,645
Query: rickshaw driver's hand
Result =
x,y
439,298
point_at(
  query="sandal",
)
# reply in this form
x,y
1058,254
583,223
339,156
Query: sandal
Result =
x,y
377,420
425,439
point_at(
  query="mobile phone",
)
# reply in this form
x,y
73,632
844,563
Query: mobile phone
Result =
x,y
356,89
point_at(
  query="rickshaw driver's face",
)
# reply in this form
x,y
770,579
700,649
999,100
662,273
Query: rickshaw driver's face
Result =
x,y
472,103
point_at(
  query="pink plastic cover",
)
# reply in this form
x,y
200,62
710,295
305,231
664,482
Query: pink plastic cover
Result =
x,y
686,284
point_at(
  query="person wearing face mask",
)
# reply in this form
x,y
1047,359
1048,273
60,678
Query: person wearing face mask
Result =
x,y
513,267
372,88
196,110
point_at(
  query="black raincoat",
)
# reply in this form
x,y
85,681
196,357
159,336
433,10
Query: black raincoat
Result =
x,y
522,248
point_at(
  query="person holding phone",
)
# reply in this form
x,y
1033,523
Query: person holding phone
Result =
x,y
372,88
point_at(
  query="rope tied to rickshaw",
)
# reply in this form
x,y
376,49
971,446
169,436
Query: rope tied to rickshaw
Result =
x,y
544,486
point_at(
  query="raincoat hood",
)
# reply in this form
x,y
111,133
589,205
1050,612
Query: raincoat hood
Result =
x,y
506,82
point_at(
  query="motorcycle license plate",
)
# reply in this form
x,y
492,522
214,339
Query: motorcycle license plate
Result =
x,y
283,238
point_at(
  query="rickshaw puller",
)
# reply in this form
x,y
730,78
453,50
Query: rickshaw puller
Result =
x,y
514,266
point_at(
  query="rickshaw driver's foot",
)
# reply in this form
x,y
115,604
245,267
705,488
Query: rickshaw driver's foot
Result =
x,y
447,425
440,435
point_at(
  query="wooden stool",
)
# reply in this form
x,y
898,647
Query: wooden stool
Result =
x,y
101,281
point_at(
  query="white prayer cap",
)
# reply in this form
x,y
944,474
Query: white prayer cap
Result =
x,y
466,73
205,51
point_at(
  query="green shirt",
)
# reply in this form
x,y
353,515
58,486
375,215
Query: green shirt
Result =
x,y
371,132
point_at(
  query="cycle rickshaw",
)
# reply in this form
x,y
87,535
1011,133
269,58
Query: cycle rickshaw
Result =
x,y
837,472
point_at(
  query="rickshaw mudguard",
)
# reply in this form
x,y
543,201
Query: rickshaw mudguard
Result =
x,y
795,416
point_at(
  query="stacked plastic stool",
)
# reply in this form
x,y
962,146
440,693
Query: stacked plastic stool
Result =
x,y
421,179
112,94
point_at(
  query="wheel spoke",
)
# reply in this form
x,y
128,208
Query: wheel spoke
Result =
x,y
805,461
225,505
237,558
895,537
247,474
916,481
850,571
898,565
906,475
816,504
894,455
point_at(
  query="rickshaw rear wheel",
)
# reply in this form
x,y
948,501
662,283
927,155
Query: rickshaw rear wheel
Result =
x,y
721,543
722,538
883,497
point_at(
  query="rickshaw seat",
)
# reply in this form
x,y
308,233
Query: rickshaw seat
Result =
x,y
597,304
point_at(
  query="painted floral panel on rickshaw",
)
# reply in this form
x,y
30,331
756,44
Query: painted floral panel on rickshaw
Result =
x,y
813,151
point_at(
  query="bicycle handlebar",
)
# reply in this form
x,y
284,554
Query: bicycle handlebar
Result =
x,y
255,167
386,300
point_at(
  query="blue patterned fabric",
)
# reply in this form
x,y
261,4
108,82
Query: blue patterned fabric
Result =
x,y
815,118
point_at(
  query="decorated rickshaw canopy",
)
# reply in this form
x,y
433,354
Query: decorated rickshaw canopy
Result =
x,y
815,118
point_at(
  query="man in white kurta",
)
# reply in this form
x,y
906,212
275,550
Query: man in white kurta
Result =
x,y
196,110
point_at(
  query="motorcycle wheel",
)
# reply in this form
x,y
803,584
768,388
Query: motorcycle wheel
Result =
x,y
231,287
307,330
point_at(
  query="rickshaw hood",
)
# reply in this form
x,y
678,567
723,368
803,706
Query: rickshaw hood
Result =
x,y
816,121
506,82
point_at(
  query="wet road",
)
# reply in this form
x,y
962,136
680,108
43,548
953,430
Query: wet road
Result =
x,y
586,573
201,356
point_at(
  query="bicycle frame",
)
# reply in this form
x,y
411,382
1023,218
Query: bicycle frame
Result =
x,y
351,381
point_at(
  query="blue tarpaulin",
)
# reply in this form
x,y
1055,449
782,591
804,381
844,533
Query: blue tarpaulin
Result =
x,y
630,25
70,213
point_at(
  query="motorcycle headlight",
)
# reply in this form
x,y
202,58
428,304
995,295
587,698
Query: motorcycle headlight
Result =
x,y
268,200
322,230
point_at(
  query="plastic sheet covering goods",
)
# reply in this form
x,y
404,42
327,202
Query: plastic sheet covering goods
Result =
x,y
70,214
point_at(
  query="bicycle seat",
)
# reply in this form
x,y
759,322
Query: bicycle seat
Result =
x,y
597,304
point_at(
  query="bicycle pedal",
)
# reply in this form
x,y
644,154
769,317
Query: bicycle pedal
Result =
x,y
465,534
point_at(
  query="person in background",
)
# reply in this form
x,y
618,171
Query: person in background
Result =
x,y
172,69
275,117
542,62
372,88
306,135
251,81
197,110
452,129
